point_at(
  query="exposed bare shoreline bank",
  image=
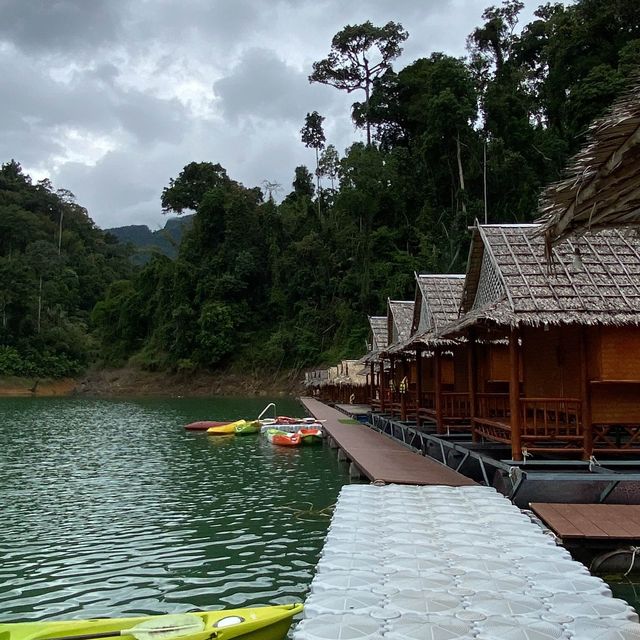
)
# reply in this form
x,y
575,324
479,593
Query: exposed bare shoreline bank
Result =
x,y
132,382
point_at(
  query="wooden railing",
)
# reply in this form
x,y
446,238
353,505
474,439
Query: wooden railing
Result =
x,y
492,406
455,404
551,418
428,400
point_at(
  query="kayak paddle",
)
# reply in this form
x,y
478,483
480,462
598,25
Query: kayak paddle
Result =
x,y
159,628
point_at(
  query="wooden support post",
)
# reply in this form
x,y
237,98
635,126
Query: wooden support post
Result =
x,y
404,391
437,374
514,395
472,381
587,427
392,383
372,373
418,384
382,387
354,472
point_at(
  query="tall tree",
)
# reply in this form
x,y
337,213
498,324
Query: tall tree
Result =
x,y
329,164
313,137
360,54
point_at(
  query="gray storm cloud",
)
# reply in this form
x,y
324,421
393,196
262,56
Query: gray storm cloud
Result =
x,y
111,98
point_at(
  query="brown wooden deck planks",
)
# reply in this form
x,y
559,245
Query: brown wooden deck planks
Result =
x,y
379,457
591,521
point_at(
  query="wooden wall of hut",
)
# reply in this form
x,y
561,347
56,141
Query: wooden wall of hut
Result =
x,y
493,368
551,362
460,368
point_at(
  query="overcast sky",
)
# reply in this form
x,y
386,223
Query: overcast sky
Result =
x,y
111,98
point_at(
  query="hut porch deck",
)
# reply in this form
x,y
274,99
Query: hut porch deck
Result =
x,y
590,521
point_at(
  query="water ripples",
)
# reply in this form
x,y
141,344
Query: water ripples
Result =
x,y
111,508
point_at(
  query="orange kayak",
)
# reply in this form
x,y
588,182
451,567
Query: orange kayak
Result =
x,y
275,436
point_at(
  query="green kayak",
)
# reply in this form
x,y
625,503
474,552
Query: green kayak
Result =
x,y
258,623
248,428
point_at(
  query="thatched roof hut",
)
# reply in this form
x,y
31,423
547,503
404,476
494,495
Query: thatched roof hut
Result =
x,y
595,279
602,185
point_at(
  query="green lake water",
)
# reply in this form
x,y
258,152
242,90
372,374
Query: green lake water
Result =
x,y
110,508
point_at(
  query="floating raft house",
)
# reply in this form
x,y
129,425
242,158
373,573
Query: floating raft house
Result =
x,y
421,563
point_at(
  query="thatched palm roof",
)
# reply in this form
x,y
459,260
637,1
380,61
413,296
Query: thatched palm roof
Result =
x,y
439,305
595,279
602,187
350,372
379,337
399,319
436,304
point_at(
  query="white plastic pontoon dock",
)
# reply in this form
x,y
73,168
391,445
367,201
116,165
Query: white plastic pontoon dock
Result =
x,y
434,563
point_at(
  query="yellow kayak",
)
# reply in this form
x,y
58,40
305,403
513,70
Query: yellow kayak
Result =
x,y
226,429
257,623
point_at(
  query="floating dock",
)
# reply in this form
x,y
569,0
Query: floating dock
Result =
x,y
378,457
620,522
442,562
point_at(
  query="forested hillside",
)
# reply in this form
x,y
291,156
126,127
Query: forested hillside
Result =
x,y
263,282
145,243
54,266
288,285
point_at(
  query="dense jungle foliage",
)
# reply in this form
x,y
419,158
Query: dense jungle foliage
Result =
x,y
55,265
263,285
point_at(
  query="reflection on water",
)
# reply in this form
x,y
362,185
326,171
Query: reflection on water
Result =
x,y
625,587
111,508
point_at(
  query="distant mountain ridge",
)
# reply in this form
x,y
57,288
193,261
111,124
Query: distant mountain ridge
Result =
x,y
146,242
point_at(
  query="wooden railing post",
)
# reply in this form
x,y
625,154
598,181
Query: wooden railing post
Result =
x,y
372,382
472,382
438,388
418,384
514,395
587,427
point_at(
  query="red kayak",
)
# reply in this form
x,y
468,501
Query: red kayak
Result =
x,y
203,425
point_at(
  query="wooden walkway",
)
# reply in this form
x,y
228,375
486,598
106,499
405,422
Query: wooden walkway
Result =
x,y
379,457
590,521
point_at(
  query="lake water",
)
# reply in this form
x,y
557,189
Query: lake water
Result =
x,y
111,508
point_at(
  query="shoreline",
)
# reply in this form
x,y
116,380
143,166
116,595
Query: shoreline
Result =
x,y
129,382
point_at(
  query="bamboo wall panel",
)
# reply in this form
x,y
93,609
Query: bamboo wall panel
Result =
x,y
620,353
615,403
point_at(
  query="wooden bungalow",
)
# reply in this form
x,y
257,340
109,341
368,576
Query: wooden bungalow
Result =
x,y
554,348
344,383
377,342
602,185
396,378
440,391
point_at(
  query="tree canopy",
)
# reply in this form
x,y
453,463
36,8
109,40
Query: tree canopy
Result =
x,y
260,285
